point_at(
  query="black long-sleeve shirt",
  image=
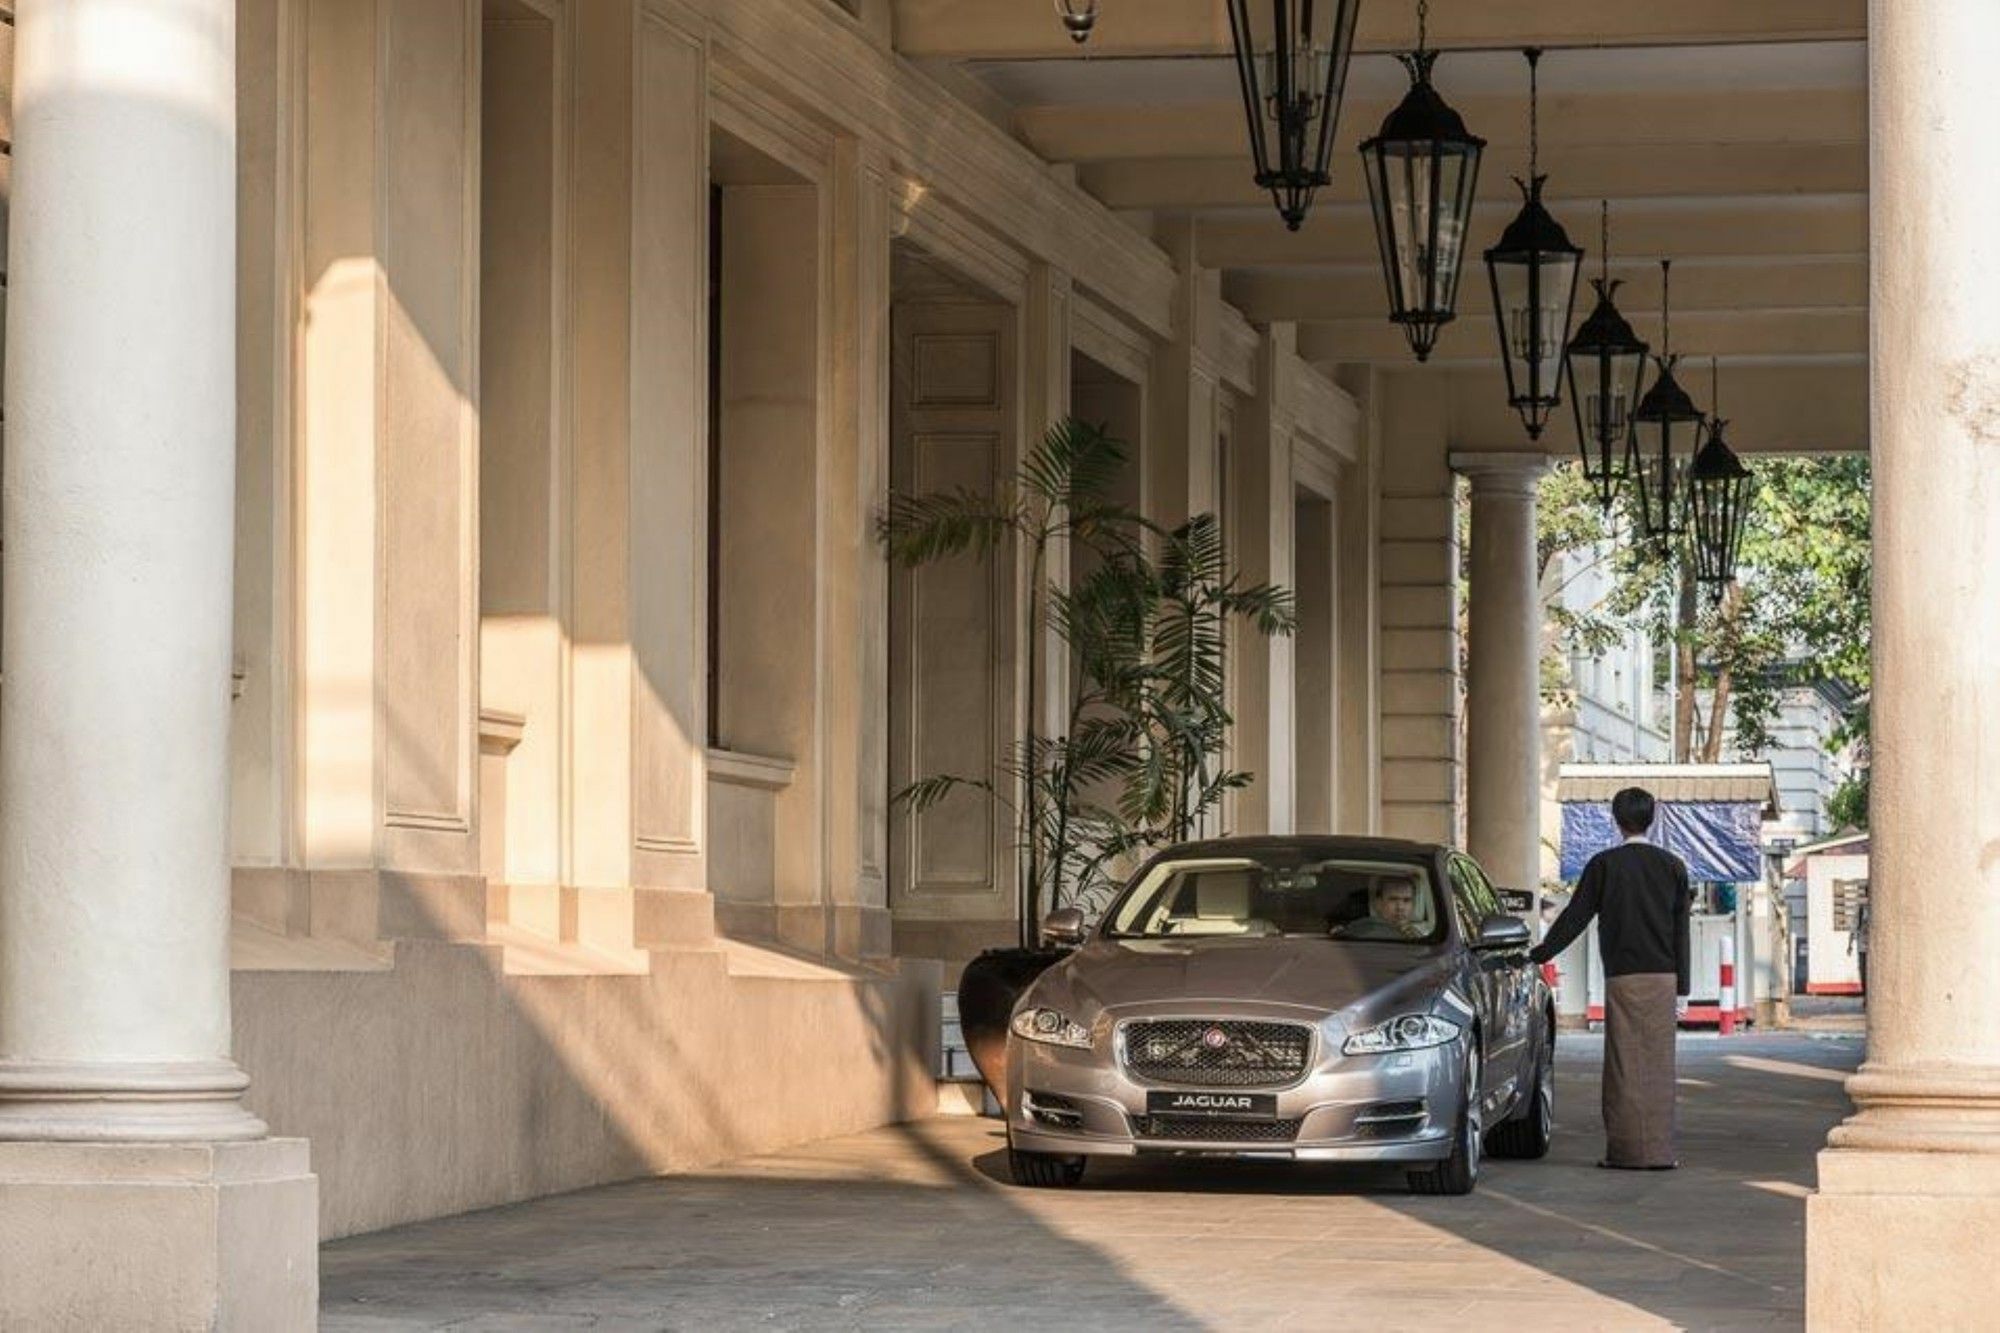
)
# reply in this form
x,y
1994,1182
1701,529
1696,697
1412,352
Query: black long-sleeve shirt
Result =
x,y
1641,896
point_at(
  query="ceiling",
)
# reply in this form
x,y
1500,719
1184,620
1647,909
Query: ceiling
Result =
x,y
1728,134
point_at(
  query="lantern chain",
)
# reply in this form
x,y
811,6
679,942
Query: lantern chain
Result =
x,y
1666,307
1423,24
1604,241
1534,54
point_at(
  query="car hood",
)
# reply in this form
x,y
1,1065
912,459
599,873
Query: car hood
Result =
x,y
1326,975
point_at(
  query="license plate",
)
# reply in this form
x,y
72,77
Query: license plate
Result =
x,y
1220,1105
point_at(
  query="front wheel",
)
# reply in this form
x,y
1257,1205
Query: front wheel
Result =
x,y
1041,1170
1526,1137
1458,1173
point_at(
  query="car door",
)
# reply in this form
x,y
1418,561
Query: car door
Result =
x,y
1512,980
1484,977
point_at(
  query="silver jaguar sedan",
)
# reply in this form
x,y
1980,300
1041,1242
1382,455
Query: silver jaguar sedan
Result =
x,y
1314,998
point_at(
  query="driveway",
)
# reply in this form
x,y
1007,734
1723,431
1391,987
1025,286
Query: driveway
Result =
x,y
914,1228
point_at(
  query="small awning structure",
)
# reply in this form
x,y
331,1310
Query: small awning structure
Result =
x,y
1849,843
1710,815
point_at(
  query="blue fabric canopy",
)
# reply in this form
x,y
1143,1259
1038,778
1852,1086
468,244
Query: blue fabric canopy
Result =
x,y
1719,840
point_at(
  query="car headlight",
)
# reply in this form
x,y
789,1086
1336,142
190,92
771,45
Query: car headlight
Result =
x,y
1051,1027
1409,1032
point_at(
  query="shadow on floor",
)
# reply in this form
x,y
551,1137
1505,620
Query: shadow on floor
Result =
x,y
881,1231
915,1227
1719,1243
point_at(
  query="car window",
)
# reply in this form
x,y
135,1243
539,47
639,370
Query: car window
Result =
x,y
1484,896
1281,892
1465,896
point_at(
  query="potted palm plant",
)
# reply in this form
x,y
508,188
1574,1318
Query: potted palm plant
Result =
x,y
1137,764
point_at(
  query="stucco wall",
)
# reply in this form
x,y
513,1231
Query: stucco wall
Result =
x,y
443,1084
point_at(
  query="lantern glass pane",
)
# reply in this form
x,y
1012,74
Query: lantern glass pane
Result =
x,y
1657,473
1420,222
1604,389
1533,301
1291,60
1719,508
1419,192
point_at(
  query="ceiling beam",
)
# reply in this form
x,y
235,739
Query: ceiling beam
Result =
x,y
1771,409
1266,296
1668,171
986,30
1839,332
1088,134
1822,226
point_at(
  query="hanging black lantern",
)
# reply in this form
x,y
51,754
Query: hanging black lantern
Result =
x,y
1293,73
1606,363
1718,503
1533,270
1662,424
1078,18
1422,170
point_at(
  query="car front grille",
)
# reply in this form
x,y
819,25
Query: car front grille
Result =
x,y
1207,1129
1219,1053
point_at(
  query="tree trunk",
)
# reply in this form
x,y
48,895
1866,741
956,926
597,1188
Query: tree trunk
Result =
x,y
1718,713
1718,707
1684,622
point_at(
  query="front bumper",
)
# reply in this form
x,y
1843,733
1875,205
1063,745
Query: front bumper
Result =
x,y
1401,1107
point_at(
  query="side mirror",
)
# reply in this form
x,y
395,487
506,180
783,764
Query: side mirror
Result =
x,y
1520,902
1503,932
1064,928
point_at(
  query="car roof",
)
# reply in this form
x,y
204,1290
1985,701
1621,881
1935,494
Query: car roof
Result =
x,y
1332,844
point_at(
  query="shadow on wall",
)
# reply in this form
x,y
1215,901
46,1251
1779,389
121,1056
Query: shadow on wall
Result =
x,y
449,1082
445,1084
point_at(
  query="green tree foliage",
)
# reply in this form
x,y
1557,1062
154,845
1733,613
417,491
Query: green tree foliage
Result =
x,y
1137,763
1797,613
1848,806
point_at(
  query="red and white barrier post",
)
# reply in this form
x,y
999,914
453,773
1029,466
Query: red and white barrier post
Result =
x,y
1727,1003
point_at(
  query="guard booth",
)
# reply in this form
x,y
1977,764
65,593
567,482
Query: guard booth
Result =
x,y
1835,873
1711,816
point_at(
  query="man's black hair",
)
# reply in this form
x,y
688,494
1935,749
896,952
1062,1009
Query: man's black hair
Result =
x,y
1633,809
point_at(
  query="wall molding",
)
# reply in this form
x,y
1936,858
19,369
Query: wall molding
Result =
x,y
826,64
738,768
1098,333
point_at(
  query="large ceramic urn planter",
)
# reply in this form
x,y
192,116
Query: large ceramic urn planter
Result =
x,y
987,991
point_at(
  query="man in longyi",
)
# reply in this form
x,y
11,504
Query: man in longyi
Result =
x,y
1640,896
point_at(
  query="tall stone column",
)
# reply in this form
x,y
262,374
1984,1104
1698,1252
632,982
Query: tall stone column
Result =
x,y
1503,701
133,1190
1899,1232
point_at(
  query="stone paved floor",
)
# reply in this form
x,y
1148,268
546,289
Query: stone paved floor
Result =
x,y
911,1228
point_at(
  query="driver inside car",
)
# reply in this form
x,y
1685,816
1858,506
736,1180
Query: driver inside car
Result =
x,y
1392,913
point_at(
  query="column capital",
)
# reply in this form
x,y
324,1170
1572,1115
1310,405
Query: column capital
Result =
x,y
1501,472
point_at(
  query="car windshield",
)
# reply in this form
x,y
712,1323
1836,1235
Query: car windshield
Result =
x,y
1280,894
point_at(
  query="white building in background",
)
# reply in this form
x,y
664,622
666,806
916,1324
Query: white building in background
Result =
x,y
1618,705
1809,767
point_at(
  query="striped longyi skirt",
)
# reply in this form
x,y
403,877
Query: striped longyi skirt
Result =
x,y
1639,1026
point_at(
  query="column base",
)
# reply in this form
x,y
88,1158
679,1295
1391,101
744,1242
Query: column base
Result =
x,y
167,1102
1893,1239
191,1235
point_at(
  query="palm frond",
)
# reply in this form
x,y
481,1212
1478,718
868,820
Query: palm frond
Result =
x,y
928,793
917,529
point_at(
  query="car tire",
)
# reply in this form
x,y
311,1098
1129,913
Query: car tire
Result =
x,y
1526,1136
1458,1173
1041,1170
